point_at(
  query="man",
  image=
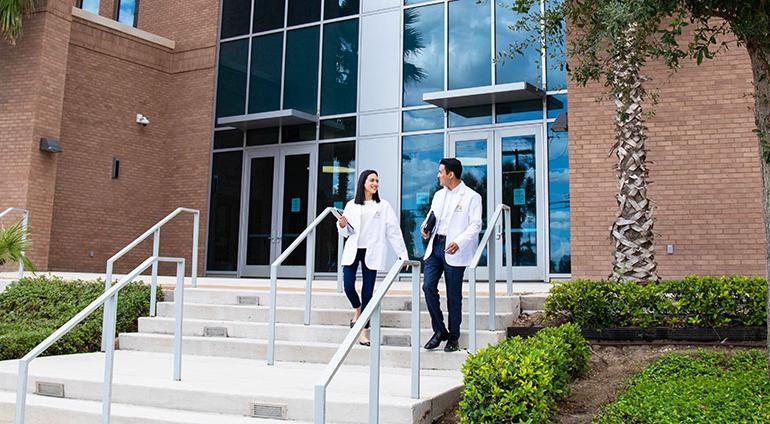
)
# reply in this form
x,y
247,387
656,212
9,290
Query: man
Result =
x,y
453,241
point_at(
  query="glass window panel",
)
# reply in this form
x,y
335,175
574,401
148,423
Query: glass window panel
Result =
x,y
268,14
470,44
300,89
228,139
262,136
471,115
235,18
265,81
231,81
556,105
423,52
340,68
294,133
296,170
224,211
420,155
423,119
415,1
558,202
338,8
304,11
556,58
336,185
259,237
519,67
90,5
519,182
473,156
127,12
519,111
338,128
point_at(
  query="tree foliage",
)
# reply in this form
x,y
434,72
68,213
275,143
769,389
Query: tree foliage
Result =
x,y
11,14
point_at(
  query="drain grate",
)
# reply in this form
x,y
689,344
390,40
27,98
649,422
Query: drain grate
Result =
x,y
407,305
214,331
43,388
396,340
269,410
248,300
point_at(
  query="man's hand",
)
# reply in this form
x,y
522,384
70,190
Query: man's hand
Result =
x,y
452,248
343,221
424,233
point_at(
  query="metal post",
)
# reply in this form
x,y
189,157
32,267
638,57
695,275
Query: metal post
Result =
x,y
271,318
374,368
154,280
340,247
472,311
492,267
309,262
179,306
508,253
21,391
106,312
109,356
319,410
416,332
194,265
24,223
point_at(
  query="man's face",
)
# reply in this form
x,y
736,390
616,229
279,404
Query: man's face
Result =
x,y
443,177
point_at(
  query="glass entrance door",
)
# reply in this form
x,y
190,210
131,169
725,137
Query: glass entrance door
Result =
x,y
275,209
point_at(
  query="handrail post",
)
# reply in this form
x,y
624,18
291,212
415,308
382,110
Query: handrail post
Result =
x,y
21,390
416,306
309,270
492,280
340,247
271,318
179,306
472,311
24,224
319,410
374,367
154,281
106,309
194,264
109,356
508,252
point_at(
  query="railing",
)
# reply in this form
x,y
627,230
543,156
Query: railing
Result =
x,y
155,232
491,266
372,312
24,224
309,233
108,297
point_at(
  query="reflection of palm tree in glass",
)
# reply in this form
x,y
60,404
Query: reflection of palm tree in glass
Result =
x,y
413,45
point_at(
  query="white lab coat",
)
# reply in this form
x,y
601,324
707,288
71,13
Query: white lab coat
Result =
x,y
464,223
382,227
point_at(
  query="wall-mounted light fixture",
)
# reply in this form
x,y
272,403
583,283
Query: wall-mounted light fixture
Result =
x,y
560,124
50,145
115,167
142,120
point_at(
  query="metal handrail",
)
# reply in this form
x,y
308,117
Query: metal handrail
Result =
x,y
309,268
500,210
155,231
24,224
373,311
108,297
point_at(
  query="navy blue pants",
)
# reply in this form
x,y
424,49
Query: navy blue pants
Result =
x,y
435,265
349,277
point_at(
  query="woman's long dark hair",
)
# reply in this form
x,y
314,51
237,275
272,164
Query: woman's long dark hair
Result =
x,y
361,191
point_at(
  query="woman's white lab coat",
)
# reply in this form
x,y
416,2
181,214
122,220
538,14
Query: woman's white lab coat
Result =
x,y
383,227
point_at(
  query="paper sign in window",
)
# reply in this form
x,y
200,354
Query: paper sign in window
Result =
x,y
295,204
519,197
422,198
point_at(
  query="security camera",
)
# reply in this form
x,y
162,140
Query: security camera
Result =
x,y
142,120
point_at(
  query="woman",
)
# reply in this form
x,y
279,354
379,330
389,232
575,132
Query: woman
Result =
x,y
367,222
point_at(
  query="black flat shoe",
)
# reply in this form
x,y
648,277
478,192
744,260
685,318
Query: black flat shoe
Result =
x,y
436,340
365,343
452,346
352,323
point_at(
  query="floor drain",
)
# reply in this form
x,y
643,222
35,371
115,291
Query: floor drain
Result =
x,y
49,389
269,410
396,340
215,331
248,300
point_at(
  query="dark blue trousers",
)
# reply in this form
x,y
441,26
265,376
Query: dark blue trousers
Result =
x,y
435,265
349,278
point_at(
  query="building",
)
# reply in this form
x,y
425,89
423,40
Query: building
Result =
x,y
262,112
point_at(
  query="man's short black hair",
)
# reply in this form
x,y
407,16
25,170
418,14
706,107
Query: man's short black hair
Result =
x,y
452,165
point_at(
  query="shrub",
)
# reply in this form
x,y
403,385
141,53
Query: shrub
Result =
x,y
520,380
701,387
33,308
692,301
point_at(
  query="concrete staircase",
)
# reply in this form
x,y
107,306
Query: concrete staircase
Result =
x,y
225,378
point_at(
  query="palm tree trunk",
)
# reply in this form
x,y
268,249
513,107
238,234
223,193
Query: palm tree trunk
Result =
x,y
631,233
760,65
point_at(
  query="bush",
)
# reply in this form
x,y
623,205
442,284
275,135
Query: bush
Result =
x,y
520,380
33,308
701,387
692,301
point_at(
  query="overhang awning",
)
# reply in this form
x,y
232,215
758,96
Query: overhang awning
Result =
x,y
268,119
474,96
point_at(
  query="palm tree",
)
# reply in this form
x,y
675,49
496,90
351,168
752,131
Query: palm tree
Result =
x,y
13,245
11,14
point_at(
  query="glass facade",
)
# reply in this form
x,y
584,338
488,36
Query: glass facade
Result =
x,y
423,69
336,185
470,44
301,75
265,73
90,5
558,202
420,155
339,80
224,211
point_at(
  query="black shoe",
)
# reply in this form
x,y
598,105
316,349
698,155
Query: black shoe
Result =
x,y
451,346
436,340
352,323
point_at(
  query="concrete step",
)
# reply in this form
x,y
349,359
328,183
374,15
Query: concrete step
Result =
x,y
532,303
292,315
309,352
327,300
231,386
298,332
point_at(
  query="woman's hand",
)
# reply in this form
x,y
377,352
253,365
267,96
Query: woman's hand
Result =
x,y
343,221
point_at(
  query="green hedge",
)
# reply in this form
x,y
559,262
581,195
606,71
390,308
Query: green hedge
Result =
x,y
692,301
33,308
520,380
696,388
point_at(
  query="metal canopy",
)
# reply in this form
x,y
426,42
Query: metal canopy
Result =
x,y
268,119
502,93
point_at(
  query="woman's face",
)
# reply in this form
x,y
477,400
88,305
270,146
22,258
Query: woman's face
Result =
x,y
372,184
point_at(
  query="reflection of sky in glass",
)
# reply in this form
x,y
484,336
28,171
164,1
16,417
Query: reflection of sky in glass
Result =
x,y
423,52
127,12
471,115
336,185
556,59
423,119
519,192
556,104
519,67
473,155
470,44
420,157
558,202
91,6
526,110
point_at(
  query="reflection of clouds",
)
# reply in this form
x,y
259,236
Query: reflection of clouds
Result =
x,y
419,176
469,44
560,176
559,225
430,25
560,216
426,119
518,67
560,247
